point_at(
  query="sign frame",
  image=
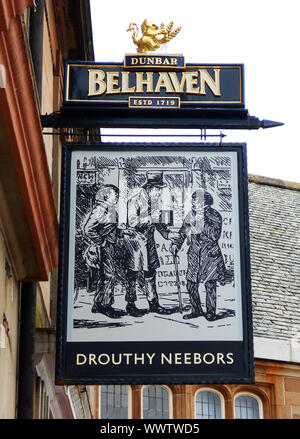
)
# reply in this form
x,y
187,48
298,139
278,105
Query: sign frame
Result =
x,y
216,369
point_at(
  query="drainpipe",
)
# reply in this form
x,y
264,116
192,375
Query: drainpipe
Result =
x,y
26,351
36,37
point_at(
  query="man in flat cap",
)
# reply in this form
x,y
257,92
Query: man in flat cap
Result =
x,y
203,225
101,230
144,216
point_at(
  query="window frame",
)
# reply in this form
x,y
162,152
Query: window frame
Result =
x,y
170,399
42,408
254,396
129,399
217,392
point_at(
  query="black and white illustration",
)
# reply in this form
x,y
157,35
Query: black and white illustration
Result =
x,y
154,245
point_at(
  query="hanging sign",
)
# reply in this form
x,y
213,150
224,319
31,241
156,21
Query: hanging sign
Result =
x,y
154,280
152,81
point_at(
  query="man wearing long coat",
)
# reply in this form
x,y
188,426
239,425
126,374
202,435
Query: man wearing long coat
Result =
x,y
144,216
101,230
205,260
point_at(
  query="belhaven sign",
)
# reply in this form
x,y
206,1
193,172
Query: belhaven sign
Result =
x,y
153,81
154,278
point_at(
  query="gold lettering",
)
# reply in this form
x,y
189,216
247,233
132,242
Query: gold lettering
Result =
x,y
103,362
150,356
229,356
97,85
137,358
212,358
92,359
178,359
79,361
213,84
101,82
165,358
220,358
125,84
164,81
140,82
127,357
166,61
112,82
187,358
178,86
114,361
174,61
134,61
197,358
158,61
191,81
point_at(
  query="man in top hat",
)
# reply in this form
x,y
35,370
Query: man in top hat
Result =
x,y
205,261
144,216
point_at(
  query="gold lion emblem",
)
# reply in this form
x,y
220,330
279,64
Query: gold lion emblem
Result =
x,y
149,41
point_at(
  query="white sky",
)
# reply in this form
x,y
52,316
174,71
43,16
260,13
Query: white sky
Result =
x,y
261,34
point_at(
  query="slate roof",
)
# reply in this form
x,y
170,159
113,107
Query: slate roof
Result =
x,y
274,211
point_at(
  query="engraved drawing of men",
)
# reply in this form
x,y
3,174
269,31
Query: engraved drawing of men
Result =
x,y
144,216
101,230
205,260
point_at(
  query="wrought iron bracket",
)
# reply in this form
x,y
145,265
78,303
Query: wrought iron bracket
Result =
x,y
209,118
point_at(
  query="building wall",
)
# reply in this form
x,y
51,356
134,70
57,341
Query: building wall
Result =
x,y
276,388
51,98
29,189
9,313
283,383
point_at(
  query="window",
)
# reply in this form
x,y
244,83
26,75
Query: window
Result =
x,y
114,402
156,402
208,405
42,408
247,407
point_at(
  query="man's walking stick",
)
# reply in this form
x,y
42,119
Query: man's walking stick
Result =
x,y
178,282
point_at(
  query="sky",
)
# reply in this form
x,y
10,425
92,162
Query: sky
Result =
x,y
260,34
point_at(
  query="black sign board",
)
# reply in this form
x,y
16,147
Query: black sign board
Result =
x,y
154,281
154,82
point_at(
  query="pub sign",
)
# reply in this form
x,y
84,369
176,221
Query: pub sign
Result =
x,y
153,82
154,279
